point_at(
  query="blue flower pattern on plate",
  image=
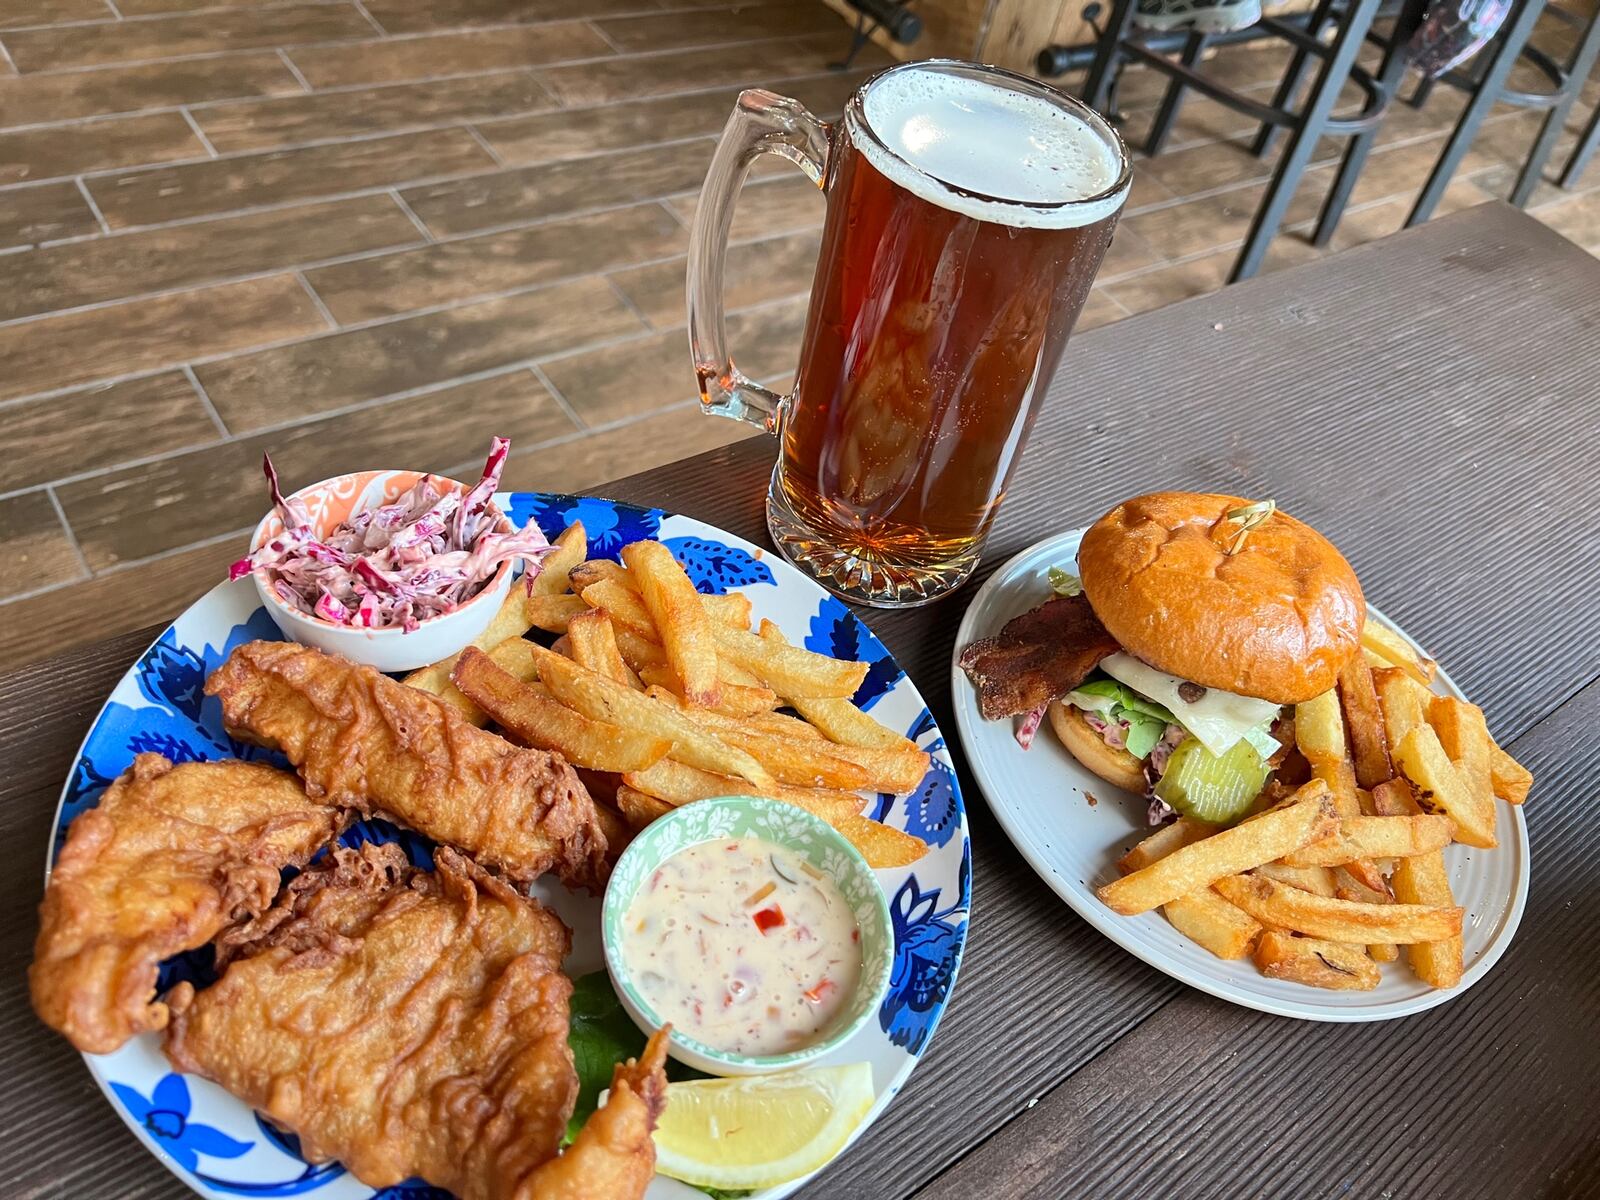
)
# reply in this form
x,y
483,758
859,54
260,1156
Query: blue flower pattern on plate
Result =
x,y
181,722
165,1116
837,631
609,524
927,950
716,567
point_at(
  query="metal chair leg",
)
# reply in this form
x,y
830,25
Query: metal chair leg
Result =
x,y
1483,99
1193,47
1587,145
1390,75
1292,78
1107,58
1420,93
1556,120
1303,140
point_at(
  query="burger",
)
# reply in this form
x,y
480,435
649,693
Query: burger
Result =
x,y
1169,663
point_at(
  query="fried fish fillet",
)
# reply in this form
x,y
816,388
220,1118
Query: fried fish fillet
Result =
x,y
169,857
415,1023
360,739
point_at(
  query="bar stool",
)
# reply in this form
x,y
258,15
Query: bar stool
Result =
x,y
1566,79
1306,123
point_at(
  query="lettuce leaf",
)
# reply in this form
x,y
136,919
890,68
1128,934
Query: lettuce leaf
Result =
x,y
1064,583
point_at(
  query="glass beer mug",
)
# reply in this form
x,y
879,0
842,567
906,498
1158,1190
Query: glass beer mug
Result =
x,y
968,210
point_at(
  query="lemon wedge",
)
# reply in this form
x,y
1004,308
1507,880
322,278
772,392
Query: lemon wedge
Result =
x,y
757,1131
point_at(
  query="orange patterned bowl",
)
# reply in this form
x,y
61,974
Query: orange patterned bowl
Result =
x,y
332,502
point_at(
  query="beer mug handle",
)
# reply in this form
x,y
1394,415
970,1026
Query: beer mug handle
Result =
x,y
762,123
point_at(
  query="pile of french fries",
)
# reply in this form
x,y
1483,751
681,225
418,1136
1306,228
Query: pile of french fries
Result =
x,y
1323,885
664,696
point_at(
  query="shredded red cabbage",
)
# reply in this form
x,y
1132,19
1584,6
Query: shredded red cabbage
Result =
x,y
424,555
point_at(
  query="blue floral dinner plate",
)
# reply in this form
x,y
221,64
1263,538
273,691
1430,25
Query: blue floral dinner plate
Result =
x,y
218,1146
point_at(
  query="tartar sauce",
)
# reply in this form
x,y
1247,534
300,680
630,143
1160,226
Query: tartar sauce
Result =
x,y
744,946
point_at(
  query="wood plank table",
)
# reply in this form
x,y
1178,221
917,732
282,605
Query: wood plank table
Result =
x,y
1430,402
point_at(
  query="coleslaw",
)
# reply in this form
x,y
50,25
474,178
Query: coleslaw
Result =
x,y
424,555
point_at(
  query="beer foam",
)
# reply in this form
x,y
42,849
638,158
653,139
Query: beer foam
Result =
x,y
950,134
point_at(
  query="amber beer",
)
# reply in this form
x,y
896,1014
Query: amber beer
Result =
x,y
968,213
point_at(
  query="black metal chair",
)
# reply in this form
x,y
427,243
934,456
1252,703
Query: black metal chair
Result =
x,y
1306,122
1582,152
1488,87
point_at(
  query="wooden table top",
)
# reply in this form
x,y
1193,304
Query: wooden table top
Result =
x,y
1429,402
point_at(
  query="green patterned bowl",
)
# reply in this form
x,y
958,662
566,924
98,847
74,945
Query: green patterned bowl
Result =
x,y
814,840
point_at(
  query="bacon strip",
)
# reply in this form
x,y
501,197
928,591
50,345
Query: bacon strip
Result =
x,y
1038,657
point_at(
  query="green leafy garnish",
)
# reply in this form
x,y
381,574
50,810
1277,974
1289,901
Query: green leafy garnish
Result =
x,y
1146,720
601,1035
724,1193
1064,583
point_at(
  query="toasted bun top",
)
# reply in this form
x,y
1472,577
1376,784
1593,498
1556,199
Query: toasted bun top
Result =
x,y
1277,619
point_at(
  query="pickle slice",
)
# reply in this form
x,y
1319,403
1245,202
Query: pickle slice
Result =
x,y
1216,789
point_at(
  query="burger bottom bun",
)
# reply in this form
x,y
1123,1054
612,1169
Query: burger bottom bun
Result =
x,y
1116,767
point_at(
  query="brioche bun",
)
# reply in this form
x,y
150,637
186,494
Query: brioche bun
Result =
x,y
1278,619
1116,767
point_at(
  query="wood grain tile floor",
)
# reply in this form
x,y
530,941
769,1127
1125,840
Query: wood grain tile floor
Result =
x,y
378,231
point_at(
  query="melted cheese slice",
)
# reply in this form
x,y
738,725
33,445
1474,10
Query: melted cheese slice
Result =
x,y
1219,719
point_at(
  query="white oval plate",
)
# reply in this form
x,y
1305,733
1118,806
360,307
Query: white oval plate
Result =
x,y
216,1145
1042,798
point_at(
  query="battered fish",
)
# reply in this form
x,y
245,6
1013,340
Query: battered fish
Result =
x,y
169,857
415,1023
363,740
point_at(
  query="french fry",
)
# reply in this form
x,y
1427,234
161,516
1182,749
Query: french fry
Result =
x,y
1314,962
1316,880
785,726
514,656
1369,748
614,825
679,615
1319,730
510,621
624,605
842,722
1404,703
537,720
1284,907
594,645
1510,779
1422,760
553,613
637,651
1375,837
1172,836
788,670
1424,879
638,809
596,569
1347,887
737,701
1308,817
880,845
1465,737
1202,916
1393,799
603,699
1394,651
801,762
1213,924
